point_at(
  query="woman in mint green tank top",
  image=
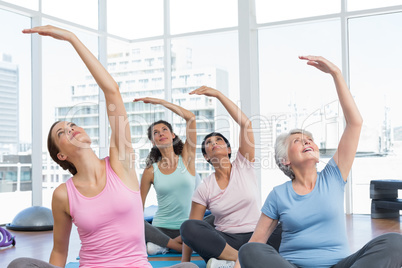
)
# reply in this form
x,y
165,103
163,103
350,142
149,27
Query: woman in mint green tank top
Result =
x,y
171,170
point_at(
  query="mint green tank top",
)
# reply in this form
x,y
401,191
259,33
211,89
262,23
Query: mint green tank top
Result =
x,y
174,193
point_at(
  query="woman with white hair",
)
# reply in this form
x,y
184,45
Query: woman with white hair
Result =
x,y
310,206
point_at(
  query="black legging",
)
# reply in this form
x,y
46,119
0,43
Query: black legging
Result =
x,y
204,239
381,252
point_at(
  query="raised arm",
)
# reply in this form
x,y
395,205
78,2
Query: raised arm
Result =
x,y
246,140
191,128
121,152
347,147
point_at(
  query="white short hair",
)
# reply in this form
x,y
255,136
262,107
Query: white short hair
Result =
x,y
281,150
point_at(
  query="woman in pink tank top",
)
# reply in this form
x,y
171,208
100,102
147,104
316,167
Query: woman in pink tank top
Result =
x,y
94,181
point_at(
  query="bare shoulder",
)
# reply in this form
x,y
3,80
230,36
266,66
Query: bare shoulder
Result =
x,y
60,199
148,174
149,169
60,193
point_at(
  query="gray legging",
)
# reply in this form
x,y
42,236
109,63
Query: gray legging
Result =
x,y
159,236
33,263
383,251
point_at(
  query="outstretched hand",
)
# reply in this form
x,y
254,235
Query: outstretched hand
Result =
x,y
321,63
149,100
207,91
50,30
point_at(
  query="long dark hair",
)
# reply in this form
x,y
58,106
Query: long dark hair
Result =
x,y
54,150
155,155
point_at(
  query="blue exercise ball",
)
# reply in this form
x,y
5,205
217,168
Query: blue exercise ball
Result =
x,y
34,218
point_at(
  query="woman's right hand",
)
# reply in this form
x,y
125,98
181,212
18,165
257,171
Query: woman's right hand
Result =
x,y
207,91
49,30
150,100
321,64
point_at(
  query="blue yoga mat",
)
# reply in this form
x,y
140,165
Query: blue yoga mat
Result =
x,y
167,255
171,254
155,264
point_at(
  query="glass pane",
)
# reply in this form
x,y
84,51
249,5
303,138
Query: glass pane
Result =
x,y
31,4
271,10
81,12
375,75
194,15
15,116
138,68
127,18
210,60
295,95
69,93
366,4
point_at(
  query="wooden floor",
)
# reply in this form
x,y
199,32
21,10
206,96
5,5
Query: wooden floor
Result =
x,y
361,229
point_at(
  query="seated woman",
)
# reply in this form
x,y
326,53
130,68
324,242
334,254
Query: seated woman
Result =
x,y
170,167
310,206
102,198
231,193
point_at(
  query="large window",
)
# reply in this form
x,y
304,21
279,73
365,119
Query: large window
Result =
x,y
83,12
138,68
295,95
69,94
209,60
194,15
201,41
135,19
367,4
272,10
15,116
375,77
32,4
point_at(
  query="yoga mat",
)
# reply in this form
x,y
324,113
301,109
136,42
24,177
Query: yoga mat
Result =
x,y
171,254
158,264
155,264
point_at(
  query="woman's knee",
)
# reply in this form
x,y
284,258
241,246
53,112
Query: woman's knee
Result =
x,y
251,251
245,251
17,263
188,227
393,243
184,265
22,262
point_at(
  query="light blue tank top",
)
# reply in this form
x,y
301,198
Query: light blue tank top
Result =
x,y
174,193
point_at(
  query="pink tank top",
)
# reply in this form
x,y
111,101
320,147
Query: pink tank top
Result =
x,y
110,225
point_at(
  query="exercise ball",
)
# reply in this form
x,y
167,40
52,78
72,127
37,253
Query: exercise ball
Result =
x,y
34,218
